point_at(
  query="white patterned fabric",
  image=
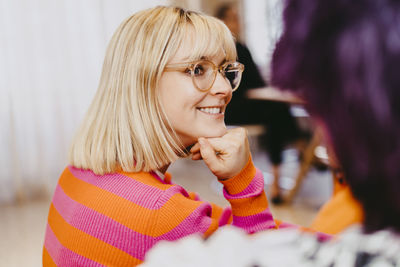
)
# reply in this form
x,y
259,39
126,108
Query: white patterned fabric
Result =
x,y
230,246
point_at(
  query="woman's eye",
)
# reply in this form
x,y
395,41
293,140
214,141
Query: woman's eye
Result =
x,y
198,70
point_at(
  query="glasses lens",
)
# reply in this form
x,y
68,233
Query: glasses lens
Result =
x,y
203,75
234,74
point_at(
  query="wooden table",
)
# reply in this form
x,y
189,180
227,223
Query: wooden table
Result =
x,y
274,94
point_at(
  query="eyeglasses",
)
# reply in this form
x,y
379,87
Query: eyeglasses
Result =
x,y
204,73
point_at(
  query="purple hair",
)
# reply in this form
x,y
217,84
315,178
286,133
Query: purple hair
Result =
x,y
343,57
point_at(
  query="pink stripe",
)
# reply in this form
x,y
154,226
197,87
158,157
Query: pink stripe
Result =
x,y
124,187
196,197
255,188
225,216
155,175
287,225
167,194
255,223
101,226
197,222
61,255
120,236
323,237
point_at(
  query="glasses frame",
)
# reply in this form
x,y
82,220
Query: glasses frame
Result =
x,y
216,69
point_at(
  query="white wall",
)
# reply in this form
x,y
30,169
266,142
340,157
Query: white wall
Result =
x,y
51,55
263,26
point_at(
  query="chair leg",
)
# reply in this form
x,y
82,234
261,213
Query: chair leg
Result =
x,y
306,163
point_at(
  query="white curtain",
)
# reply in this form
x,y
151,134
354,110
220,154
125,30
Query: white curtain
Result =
x,y
51,53
263,27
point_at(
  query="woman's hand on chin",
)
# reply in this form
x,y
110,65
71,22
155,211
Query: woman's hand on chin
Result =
x,y
225,156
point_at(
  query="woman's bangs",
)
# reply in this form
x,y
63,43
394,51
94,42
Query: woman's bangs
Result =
x,y
209,38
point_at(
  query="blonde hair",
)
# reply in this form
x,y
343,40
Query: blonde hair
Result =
x,y
125,126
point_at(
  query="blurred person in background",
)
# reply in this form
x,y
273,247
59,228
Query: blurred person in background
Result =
x,y
281,126
343,58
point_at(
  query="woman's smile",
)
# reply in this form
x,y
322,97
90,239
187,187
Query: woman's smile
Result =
x,y
180,97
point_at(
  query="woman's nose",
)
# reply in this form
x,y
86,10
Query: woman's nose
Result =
x,y
221,86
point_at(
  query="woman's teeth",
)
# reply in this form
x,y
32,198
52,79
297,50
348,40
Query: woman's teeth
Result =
x,y
211,110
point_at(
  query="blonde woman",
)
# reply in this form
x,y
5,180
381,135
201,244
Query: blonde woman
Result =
x,y
167,78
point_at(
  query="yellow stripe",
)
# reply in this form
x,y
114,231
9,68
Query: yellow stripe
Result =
x,y
124,211
87,245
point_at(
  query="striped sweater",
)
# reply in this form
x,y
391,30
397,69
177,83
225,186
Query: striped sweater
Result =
x,y
114,219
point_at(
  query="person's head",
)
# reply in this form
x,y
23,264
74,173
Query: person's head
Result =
x,y
228,13
149,106
343,57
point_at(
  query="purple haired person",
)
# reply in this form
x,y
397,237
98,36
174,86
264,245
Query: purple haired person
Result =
x,y
343,58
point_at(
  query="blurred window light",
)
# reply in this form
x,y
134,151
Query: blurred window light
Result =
x,y
263,27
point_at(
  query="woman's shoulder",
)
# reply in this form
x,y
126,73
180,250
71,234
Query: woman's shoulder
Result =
x,y
120,177
133,187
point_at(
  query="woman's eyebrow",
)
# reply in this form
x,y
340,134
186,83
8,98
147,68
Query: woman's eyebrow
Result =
x,y
188,58
219,63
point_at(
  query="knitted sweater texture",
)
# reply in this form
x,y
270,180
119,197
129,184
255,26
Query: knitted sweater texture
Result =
x,y
114,219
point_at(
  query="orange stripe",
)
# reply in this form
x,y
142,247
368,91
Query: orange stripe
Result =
x,y
241,181
212,228
124,211
249,206
193,196
215,215
341,211
87,245
216,211
167,178
47,260
277,223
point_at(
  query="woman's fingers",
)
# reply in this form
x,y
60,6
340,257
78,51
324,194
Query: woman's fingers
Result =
x,y
196,156
208,154
195,148
225,156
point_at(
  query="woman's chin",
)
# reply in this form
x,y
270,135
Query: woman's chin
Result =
x,y
216,133
212,133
